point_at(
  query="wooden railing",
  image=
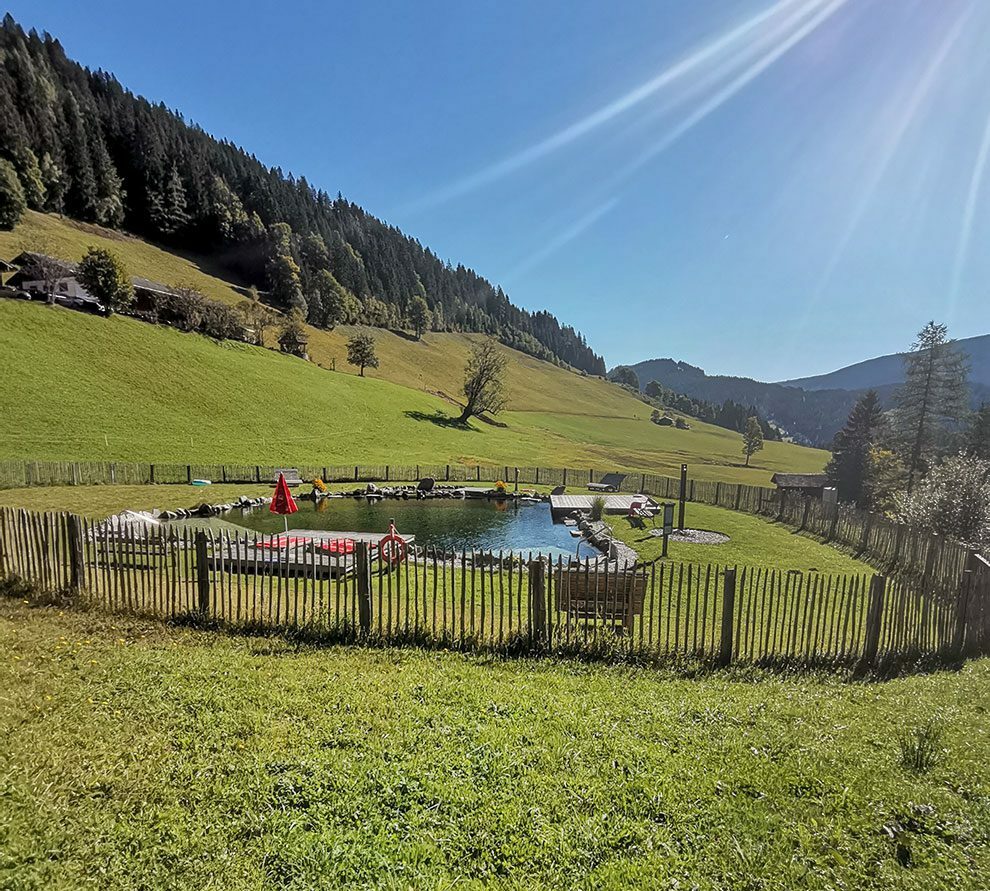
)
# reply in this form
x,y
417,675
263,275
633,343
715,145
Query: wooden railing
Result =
x,y
509,603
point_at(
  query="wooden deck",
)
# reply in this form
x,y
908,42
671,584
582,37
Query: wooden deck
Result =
x,y
561,505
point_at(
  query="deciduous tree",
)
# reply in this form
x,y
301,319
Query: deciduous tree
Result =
x,y
484,380
105,277
420,315
752,438
12,200
361,352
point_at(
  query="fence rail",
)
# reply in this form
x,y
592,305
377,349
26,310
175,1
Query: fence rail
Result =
x,y
494,601
892,547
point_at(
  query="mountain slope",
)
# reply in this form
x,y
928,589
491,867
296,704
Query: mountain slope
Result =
x,y
81,387
887,370
81,143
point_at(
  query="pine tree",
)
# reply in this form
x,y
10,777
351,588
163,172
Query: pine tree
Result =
x,y
12,200
978,436
850,463
752,438
933,395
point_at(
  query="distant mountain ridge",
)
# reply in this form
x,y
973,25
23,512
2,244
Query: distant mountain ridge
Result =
x,y
811,409
889,370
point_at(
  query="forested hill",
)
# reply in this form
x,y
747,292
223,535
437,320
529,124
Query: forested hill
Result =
x,y
83,145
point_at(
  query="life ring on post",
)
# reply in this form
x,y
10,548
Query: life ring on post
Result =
x,y
392,547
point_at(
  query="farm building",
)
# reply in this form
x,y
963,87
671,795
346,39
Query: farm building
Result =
x,y
811,485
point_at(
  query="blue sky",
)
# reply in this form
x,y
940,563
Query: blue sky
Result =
x,y
772,188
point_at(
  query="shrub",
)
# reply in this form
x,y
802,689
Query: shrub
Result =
x,y
597,507
921,747
105,277
953,500
188,310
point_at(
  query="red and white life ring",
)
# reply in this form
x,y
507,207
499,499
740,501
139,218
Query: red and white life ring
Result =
x,y
392,547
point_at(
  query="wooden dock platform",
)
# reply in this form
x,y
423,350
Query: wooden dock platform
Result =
x,y
618,503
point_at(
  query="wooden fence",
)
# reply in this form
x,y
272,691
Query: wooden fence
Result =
x,y
894,548
507,603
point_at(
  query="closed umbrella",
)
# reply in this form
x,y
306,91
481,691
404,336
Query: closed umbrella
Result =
x,y
282,502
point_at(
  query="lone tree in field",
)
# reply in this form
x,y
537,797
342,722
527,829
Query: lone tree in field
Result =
x,y
420,316
933,395
12,200
850,464
361,352
106,279
752,438
484,380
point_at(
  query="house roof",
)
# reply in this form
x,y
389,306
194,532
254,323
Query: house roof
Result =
x,y
26,259
799,480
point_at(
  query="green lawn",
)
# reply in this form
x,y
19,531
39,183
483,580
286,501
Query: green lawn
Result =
x,y
753,541
140,756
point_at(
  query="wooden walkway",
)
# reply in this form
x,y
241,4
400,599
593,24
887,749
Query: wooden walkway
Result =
x,y
561,505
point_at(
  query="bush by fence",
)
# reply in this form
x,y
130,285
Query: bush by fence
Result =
x,y
497,602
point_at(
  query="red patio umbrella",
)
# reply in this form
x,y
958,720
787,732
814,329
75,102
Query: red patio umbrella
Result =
x,y
282,502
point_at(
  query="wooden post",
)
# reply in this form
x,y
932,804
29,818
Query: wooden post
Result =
x,y
565,476
682,497
417,473
962,610
728,610
203,574
76,554
478,469
874,615
223,472
642,482
517,479
152,473
113,472
325,475
386,473
718,492
591,476
363,586
355,474
804,516
537,476
537,600
189,473
866,534
257,473
738,495
448,474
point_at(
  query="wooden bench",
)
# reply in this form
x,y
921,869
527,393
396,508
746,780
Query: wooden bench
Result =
x,y
291,475
613,597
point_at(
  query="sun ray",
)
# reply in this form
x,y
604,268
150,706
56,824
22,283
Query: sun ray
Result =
x,y
969,213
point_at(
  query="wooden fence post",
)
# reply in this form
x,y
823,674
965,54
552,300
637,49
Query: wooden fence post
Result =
x,y
223,472
874,616
189,473
363,586
537,476
537,600
591,476
203,574
355,474
386,473
682,497
448,474
152,473
77,566
113,472
728,611
565,476
804,514
962,611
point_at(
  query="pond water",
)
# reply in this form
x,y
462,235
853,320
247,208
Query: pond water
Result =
x,y
449,524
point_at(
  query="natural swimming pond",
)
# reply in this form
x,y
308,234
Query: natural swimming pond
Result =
x,y
447,524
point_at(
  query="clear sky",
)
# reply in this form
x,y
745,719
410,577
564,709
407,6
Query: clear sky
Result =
x,y
773,188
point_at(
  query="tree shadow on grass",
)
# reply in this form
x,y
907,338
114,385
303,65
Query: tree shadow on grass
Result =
x,y
441,420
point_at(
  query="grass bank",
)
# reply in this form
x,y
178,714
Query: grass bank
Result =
x,y
142,756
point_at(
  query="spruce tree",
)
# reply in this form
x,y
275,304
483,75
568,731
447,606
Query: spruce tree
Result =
x,y
978,436
933,396
850,464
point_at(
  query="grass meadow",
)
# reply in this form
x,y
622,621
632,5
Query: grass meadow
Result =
x,y
140,755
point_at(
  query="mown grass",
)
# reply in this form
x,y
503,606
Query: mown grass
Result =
x,y
65,374
753,541
82,387
142,756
